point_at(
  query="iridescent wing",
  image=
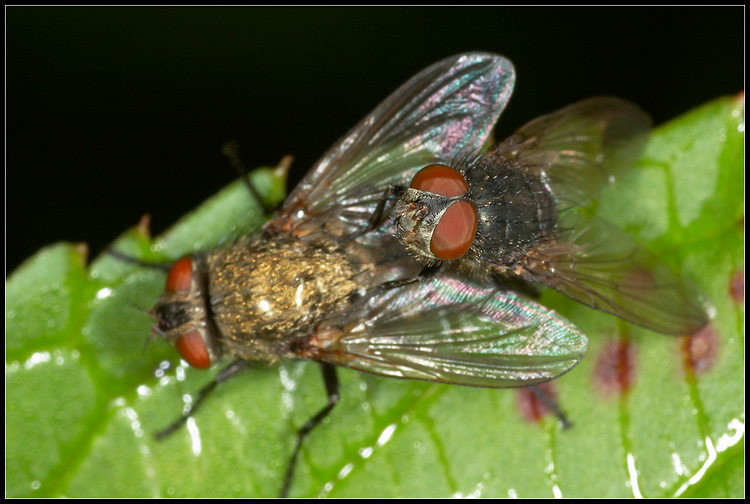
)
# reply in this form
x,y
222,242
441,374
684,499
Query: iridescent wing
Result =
x,y
599,265
576,151
447,109
451,331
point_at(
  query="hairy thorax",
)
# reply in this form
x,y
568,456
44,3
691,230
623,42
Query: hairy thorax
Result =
x,y
265,294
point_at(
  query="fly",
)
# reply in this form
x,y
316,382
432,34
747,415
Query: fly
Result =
x,y
329,279
515,213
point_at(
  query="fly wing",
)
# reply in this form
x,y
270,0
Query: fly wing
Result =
x,y
448,108
575,152
578,149
451,331
599,265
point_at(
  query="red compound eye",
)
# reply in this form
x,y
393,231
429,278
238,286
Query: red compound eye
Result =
x,y
455,232
180,275
440,179
193,350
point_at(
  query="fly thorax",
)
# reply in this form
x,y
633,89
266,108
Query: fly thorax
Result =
x,y
516,210
264,295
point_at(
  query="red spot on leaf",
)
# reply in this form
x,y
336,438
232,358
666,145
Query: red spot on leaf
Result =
x,y
532,407
737,287
615,368
700,349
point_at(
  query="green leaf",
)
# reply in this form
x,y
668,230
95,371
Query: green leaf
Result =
x,y
83,401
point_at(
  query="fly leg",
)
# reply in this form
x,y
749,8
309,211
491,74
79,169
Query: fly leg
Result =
x,y
232,151
551,404
426,274
376,219
225,374
332,389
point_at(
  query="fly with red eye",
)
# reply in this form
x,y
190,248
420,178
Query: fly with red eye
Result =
x,y
329,279
522,217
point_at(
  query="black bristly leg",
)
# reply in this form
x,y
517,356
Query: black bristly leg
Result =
x,y
332,389
549,401
224,375
232,151
426,274
377,215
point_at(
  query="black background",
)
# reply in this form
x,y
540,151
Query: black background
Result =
x,y
117,112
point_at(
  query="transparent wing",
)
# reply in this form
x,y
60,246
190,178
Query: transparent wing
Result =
x,y
451,331
601,266
580,148
575,152
448,108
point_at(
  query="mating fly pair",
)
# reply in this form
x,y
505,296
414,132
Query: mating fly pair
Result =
x,y
394,253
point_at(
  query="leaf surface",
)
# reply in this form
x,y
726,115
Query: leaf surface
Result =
x,y
83,399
